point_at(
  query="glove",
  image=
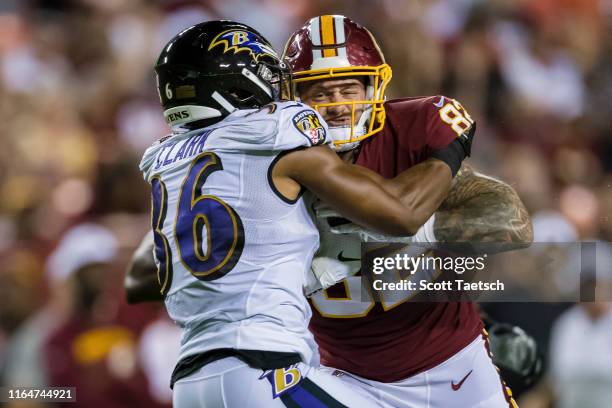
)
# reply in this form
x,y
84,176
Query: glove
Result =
x,y
325,272
340,225
515,351
328,215
322,210
425,234
366,235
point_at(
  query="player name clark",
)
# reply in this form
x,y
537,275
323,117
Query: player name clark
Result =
x,y
424,284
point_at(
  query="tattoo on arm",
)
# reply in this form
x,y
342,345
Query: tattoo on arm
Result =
x,y
482,209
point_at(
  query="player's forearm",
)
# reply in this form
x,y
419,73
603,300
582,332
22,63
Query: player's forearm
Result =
x,y
422,189
140,282
350,191
365,201
482,209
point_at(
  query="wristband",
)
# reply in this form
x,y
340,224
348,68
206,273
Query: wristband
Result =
x,y
454,154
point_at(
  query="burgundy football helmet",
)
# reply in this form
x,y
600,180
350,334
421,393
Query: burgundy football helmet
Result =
x,y
332,47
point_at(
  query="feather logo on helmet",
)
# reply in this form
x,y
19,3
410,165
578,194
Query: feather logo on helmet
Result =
x,y
240,41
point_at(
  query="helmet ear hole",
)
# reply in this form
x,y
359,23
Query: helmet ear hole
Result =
x,y
241,95
183,74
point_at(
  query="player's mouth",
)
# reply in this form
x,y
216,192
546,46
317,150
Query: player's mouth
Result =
x,y
340,121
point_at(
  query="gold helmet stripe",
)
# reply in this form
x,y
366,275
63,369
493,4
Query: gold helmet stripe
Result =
x,y
328,36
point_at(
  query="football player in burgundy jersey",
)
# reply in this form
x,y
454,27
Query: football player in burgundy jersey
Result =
x,y
434,354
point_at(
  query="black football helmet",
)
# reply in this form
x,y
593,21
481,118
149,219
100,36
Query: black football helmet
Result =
x,y
213,68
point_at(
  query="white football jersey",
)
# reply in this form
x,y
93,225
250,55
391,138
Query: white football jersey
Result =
x,y
232,253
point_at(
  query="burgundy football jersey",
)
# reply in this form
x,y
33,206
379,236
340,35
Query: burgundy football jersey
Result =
x,y
408,337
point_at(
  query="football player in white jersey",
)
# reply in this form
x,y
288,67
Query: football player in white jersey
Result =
x,y
233,239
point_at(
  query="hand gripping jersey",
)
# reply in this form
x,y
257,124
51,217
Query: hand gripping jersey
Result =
x,y
393,339
232,254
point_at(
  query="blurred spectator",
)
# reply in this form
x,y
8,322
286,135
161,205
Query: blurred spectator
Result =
x,y
581,207
93,349
540,74
22,292
552,227
525,168
275,19
78,338
581,344
605,218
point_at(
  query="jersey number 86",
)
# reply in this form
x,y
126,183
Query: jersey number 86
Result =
x,y
196,213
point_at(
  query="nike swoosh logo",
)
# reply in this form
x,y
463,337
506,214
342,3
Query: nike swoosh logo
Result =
x,y
342,258
460,383
440,102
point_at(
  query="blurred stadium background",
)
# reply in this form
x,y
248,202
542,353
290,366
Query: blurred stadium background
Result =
x,y
78,106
